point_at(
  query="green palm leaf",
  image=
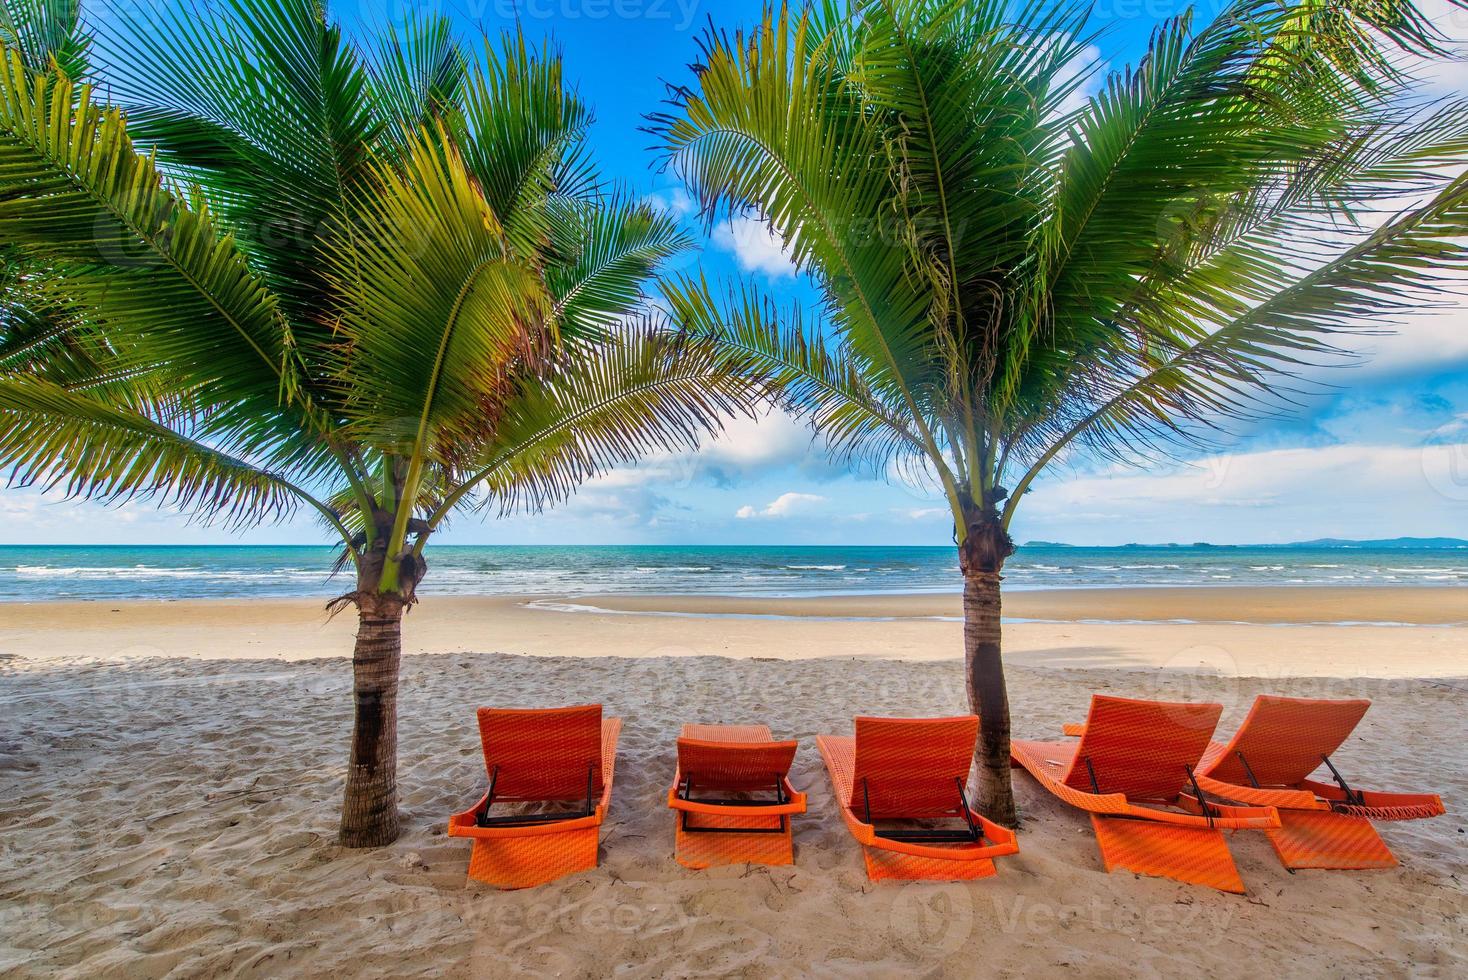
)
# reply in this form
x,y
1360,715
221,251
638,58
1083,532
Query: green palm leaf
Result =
x,y
419,73
438,306
776,128
266,106
644,389
602,252
88,447
520,131
73,191
48,35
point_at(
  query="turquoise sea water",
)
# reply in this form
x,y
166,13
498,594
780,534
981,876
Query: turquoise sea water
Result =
x,y
33,573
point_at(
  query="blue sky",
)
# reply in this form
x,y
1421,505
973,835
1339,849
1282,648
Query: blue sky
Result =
x,y
1384,454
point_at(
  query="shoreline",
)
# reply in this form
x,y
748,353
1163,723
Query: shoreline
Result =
x,y
1293,605
1299,605
1222,631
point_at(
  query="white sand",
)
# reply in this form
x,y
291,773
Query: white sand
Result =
x,y
171,816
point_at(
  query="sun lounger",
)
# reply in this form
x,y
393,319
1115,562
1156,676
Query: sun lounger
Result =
x,y
732,798
1133,770
913,769
561,757
1269,761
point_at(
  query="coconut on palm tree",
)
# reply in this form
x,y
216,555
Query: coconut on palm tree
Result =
x,y
283,273
1011,274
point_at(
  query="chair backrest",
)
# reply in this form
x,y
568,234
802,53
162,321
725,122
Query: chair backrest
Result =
x,y
1284,739
542,753
907,767
1141,748
734,765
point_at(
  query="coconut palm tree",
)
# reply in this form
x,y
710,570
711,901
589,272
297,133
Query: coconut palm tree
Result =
x,y
378,284
1012,274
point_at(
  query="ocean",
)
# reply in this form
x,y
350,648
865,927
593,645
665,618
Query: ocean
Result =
x,y
32,573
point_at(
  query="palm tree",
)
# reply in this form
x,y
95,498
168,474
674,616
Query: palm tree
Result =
x,y
381,285
1007,281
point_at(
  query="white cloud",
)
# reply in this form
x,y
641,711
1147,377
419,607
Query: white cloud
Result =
x,y
748,446
1447,76
785,505
1089,68
755,247
1355,490
745,449
611,501
1429,339
674,200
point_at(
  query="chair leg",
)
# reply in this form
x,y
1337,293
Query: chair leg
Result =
x,y
1195,855
1322,839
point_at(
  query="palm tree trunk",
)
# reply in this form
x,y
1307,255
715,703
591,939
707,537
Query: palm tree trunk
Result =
x,y
987,695
370,809
981,555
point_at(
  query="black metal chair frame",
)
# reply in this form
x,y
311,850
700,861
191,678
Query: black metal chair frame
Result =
x,y
685,793
1209,810
483,819
1353,797
971,834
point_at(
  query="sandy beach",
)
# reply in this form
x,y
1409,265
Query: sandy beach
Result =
x,y
170,775
1253,632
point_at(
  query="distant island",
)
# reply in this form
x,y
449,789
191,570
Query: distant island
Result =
x,y
1403,544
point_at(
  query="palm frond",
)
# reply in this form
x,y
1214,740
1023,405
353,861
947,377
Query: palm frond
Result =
x,y
1412,262
776,129
438,307
47,34
263,103
94,448
419,73
601,253
784,357
646,389
521,132
75,193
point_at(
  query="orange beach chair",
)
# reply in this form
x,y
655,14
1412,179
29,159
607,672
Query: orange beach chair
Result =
x,y
553,756
913,769
1268,762
1132,770
722,829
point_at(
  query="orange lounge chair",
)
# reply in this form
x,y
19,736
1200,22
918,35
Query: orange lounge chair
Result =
x,y
557,755
1268,762
720,829
904,769
1134,759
